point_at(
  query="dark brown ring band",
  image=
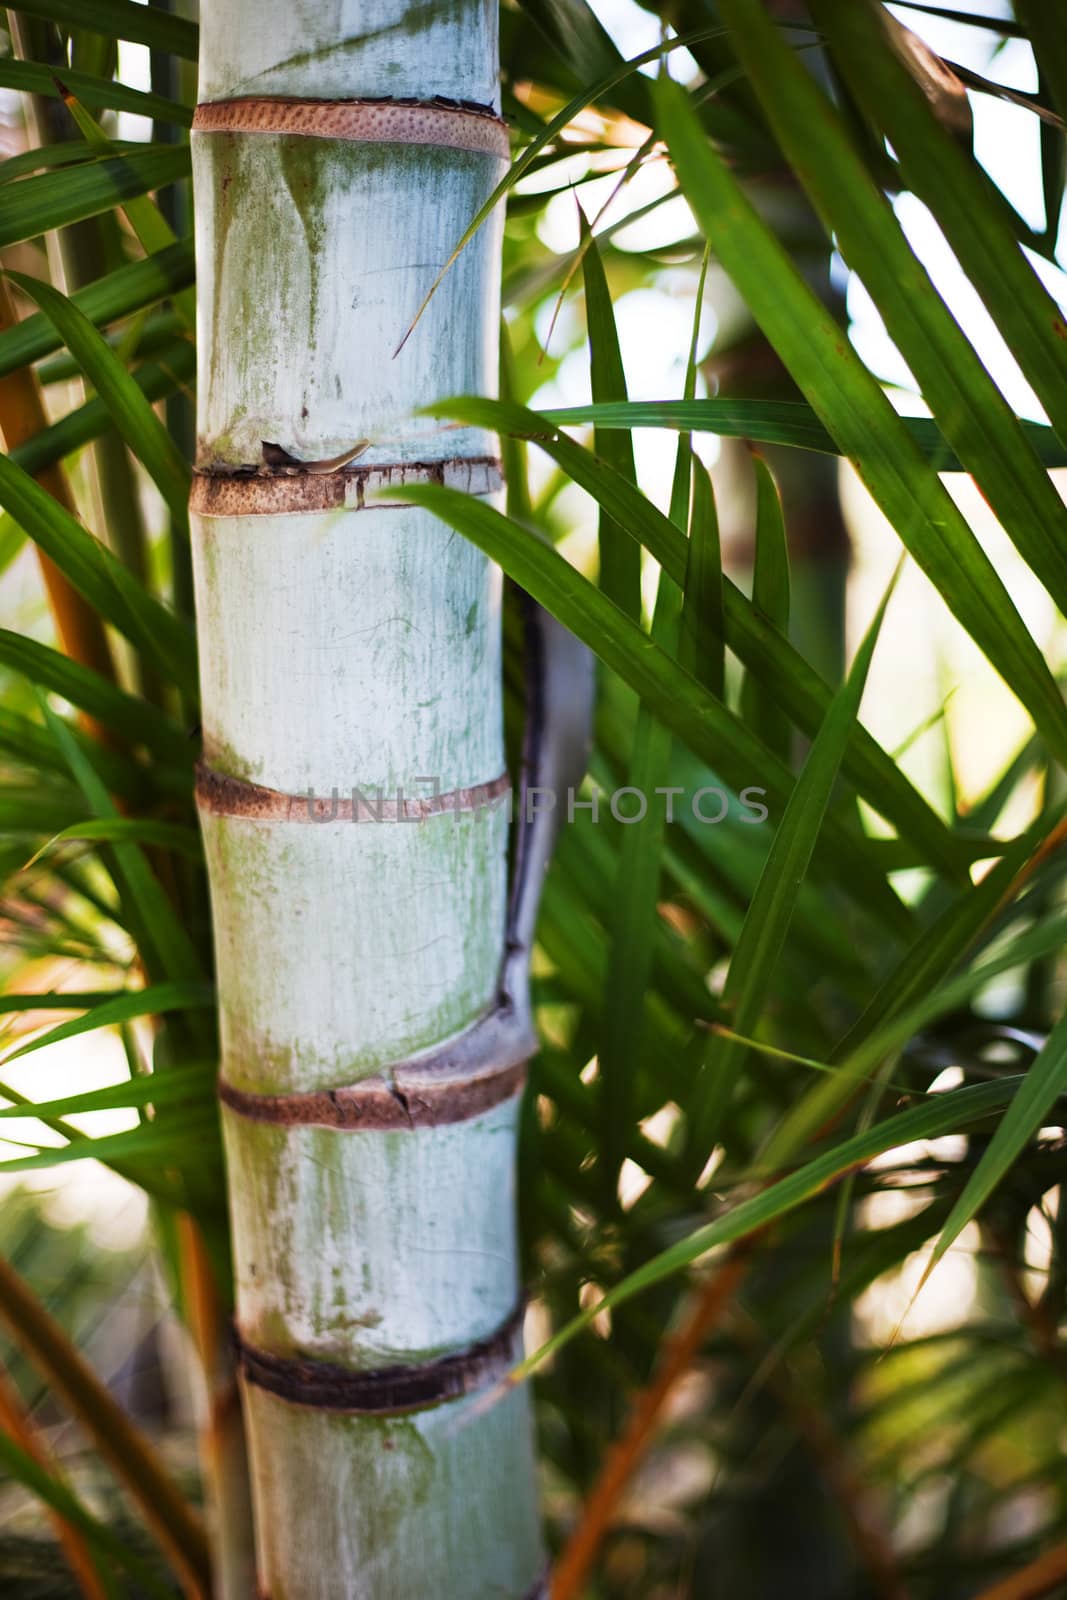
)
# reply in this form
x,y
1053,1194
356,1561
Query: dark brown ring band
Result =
x,y
250,492
389,1390
224,796
372,1107
459,1079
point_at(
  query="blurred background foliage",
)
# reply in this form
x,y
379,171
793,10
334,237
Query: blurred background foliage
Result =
x,y
787,1069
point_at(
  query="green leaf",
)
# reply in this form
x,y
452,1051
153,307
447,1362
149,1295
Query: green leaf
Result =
x,y
971,411
36,809
620,557
754,964
60,999
701,648
940,1114
968,208
169,949
144,335
155,1001
710,730
165,1141
154,232
56,199
1049,45
129,410
72,153
1038,1092
599,90
193,1082
127,289
120,19
104,94
134,719
161,637
634,921
780,422
917,991
156,380
25,1470
853,407
798,687
760,706
138,830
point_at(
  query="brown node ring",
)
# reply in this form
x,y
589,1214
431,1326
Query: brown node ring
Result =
x,y
455,1082
328,1386
453,125
251,491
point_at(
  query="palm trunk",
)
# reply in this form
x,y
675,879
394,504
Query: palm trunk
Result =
x,y
352,797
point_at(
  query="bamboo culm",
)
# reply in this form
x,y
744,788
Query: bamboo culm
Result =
x,y
353,796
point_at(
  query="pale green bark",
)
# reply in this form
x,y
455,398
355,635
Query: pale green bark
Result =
x,y
343,649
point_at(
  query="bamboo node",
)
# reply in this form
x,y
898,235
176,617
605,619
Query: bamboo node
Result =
x,y
452,124
454,1082
389,1390
264,490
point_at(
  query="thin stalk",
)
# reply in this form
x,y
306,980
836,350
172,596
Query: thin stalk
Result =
x,y
223,1451
1043,1576
575,1565
125,1449
16,1424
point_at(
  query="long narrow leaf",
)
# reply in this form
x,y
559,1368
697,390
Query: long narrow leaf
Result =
x,y
104,94
941,1114
854,408
754,963
127,289
968,207
129,410
176,957
711,731
161,636
797,685
760,705
780,422
56,199
973,415
133,719
620,557
120,19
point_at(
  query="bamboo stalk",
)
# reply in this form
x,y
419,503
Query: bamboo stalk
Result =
x,y
350,652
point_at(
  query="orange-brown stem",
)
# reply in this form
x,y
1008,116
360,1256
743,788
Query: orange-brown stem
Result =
x,y
122,1445
16,1424
1045,1576
624,1457
223,1448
